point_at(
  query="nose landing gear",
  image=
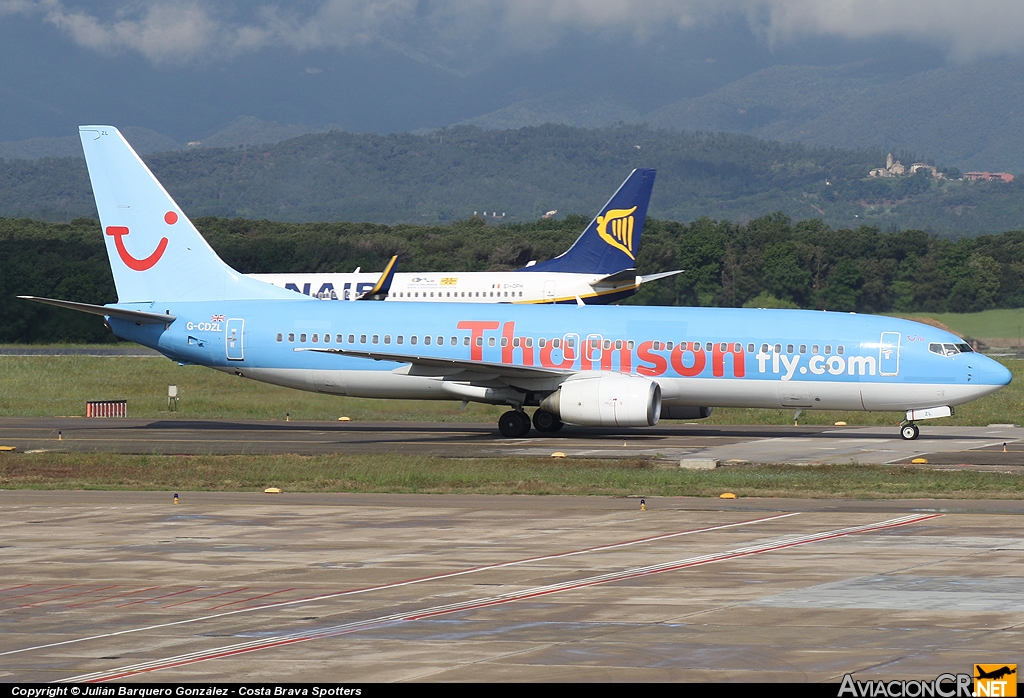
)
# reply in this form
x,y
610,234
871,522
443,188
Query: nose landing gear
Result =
x,y
909,431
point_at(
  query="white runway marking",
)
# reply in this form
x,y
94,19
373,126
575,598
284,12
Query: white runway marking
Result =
x,y
631,573
393,585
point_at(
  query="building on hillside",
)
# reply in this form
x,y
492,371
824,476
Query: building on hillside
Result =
x,y
989,176
893,168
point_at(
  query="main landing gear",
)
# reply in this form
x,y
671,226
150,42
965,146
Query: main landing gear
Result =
x,y
547,422
909,431
514,424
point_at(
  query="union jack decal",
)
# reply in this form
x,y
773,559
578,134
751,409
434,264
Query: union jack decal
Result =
x,y
216,318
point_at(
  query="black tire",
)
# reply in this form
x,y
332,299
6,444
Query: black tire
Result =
x,y
546,422
513,424
910,432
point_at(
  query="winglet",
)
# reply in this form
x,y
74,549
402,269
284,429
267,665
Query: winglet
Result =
x,y
382,288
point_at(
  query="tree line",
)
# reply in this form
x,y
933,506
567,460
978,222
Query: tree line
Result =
x,y
766,262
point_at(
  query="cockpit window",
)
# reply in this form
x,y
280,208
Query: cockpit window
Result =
x,y
949,349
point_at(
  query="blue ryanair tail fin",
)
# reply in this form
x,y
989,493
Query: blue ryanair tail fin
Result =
x,y
155,252
612,240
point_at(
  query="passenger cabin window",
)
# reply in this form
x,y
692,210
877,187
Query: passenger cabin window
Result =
x,y
828,349
427,339
351,339
387,339
789,348
400,339
327,339
778,348
750,348
302,337
280,337
803,348
362,339
375,338
840,349
291,336
413,339
339,339
814,348
316,338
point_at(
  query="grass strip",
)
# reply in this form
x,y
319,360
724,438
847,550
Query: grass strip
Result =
x,y
432,474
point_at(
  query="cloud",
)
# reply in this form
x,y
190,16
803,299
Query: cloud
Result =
x,y
464,32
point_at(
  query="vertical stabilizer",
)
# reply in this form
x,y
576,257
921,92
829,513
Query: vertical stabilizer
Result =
x,y
155,252
612,240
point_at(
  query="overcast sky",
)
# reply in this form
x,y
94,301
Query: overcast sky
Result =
x,y
385,65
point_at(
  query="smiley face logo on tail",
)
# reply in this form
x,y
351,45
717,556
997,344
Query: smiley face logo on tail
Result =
x,y
119,231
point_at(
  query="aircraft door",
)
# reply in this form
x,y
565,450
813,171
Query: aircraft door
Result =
x,y
233,334
889,354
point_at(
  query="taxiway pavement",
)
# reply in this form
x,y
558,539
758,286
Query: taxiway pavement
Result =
x,y
329,587
951,446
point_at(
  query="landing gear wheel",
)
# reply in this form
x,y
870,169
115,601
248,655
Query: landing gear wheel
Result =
x,y
546,422
910,432
514,424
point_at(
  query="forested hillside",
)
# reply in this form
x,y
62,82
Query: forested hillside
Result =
x,y
447,175
767,262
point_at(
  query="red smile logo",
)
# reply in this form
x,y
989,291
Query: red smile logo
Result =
x,y
119,231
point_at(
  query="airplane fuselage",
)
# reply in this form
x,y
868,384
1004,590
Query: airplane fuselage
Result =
x,y
699,356
459,287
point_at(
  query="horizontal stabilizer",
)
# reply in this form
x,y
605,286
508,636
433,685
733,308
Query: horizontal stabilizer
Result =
x,y
626,276
139,316
654,277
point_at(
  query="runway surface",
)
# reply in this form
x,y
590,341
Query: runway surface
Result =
x,y
950,446
311,587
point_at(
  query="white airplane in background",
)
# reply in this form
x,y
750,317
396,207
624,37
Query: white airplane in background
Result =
x,y
599,268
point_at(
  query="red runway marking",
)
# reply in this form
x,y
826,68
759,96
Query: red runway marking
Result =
x,y
44,591
251,598
391,585
204,598
632,573
68,596
20,586
115,596
155,598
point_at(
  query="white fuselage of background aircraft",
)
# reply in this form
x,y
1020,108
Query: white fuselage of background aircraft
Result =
x,y
462,287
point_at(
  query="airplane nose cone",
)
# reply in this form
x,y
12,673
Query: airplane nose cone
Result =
x,y
994,373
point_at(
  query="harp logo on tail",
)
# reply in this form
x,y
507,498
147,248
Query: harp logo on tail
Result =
x,y
616,228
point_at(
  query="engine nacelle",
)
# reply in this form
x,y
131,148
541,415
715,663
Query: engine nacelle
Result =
x,y
685,412
606,400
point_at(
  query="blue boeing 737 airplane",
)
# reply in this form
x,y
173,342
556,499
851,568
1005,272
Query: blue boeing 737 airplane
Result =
x,y
590,365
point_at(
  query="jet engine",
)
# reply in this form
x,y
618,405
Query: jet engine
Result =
x,y
606,400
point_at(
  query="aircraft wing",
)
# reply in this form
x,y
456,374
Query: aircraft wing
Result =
x,y
139,316
452,366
